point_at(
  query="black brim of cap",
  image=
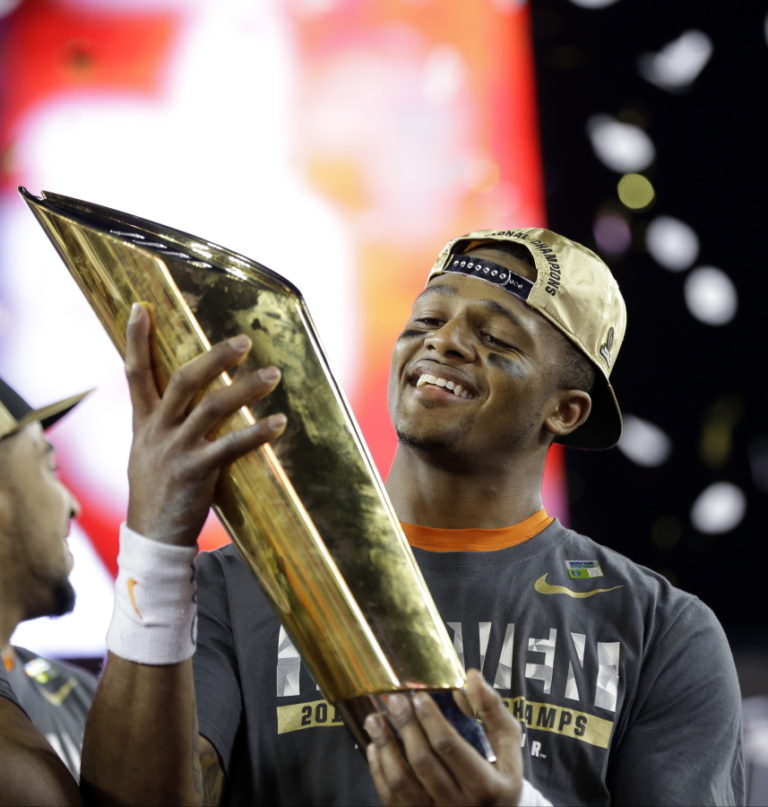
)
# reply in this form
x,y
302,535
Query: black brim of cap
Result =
x,y
48,415
603,427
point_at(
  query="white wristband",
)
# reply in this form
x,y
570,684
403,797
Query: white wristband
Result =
x,y
154,620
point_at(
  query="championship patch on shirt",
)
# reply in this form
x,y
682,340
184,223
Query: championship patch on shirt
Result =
x,y
579,569
54,683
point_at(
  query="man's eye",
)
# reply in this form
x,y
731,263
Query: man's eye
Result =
x,y
493,341
418,326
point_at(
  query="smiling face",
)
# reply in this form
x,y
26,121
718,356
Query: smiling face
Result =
x,y
475,372
35,513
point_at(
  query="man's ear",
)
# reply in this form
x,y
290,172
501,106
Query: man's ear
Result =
x,y
571,409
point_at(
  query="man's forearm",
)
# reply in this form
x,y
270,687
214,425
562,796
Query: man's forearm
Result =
x,y
141,737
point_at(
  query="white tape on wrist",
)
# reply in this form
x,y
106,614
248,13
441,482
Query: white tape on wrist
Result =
x,y
154,620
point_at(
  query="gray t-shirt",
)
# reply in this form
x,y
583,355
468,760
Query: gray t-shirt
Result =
x,y
5,687
57,697
625,685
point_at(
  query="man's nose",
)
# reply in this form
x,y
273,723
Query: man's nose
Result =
x,y
452,338
74,505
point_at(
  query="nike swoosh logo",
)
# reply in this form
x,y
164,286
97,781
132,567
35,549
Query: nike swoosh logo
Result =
x,y
543,587
132,597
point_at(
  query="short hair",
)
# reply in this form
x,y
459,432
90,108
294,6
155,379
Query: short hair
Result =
x,y
577,371
511,248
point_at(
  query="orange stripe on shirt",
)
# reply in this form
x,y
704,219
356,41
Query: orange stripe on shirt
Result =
x,y
476,540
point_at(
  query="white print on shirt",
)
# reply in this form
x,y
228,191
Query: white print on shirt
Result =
x,y
536,748
605,688
540,663
588,674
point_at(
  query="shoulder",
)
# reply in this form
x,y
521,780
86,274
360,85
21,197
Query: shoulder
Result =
x,y
219,570
42,669
224,578
618,563
652,595
224,564
5,687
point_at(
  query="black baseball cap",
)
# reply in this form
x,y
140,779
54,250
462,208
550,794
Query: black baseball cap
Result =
x,y
15,412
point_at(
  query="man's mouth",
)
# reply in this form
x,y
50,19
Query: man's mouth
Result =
x,y
444,383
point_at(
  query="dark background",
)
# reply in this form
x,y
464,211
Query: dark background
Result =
x,y
702,384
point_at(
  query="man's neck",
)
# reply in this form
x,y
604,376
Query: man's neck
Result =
x,y
433,496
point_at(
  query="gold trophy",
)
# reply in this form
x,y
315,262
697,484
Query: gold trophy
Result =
x,y
310,515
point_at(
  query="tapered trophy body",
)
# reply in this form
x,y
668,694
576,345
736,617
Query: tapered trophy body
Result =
x,y
310,515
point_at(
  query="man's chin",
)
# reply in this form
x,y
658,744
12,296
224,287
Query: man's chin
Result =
x,y
434,442
63,598
422,442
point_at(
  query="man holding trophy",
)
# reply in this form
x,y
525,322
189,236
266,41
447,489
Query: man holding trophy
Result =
x,y
595,680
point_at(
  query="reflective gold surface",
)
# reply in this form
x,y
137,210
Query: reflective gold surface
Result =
x,y
311,515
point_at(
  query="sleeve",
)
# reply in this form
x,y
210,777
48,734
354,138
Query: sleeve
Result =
x,y
5,688
683,742
217,682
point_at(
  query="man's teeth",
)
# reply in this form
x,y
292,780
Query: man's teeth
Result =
x,y
456,389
